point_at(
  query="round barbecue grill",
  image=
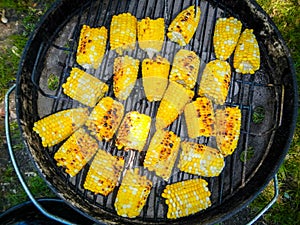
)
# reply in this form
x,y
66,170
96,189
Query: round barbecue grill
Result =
x,y
51,50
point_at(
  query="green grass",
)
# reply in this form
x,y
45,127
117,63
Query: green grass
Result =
x,y
285,14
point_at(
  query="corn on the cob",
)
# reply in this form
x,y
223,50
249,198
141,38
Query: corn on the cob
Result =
x,y
200,160
104,173
91,46
132,194
226,35
76,152
228,125
105,118
172,104
247,54
162,153
84,87
199,117
185,68
133,131
186,197
215,81
57,127
183,27
125,74
151,33
155,74
123,29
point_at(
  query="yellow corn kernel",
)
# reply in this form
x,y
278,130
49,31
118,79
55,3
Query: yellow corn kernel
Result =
x,y
123,29
155,74
183,27
247,54
226,35
228,125
76,152
133,131
151,34
185,68
172,104
125,74
200,160
104,173
91,46
187,197
58,126
162,153
199,117
132,194
105,118
84,87
215,81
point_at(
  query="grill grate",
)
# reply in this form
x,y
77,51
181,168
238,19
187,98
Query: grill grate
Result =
x,y
57,56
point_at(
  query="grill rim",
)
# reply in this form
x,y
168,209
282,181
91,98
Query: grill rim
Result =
x,y
284,132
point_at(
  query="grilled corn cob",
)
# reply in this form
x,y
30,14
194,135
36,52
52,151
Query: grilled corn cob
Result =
x,y
185,68
105,118
123,32
57,127
125,75
228,125
91,46
76,152
104,173
172,104
226,35
183,27
133,131
151,35
132,194
215,81
247,55
155,74
162,153
84,87
186,197
199,117
200,160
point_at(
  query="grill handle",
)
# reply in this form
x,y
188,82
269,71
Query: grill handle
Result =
x,y
16,167
63,221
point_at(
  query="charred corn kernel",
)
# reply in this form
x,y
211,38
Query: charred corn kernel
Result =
x,y
215,81
125,74
172,104
186,197
247,54
183,27
133,131
200,160
132,194
104,173
185,68
57,127
162,153
84,87
228,125
199,117
91,46
226,35
123,32
105,118
76,152
155,73
151,33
